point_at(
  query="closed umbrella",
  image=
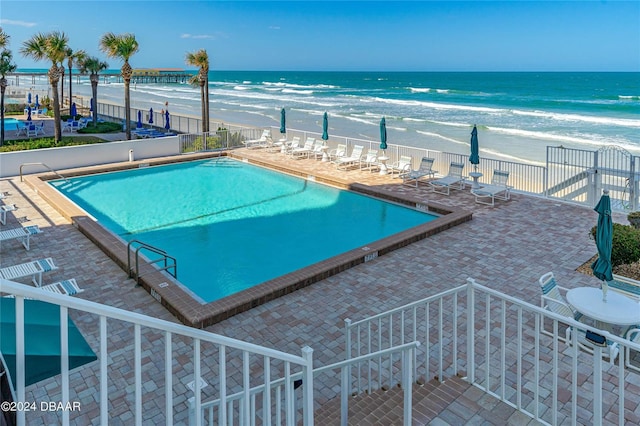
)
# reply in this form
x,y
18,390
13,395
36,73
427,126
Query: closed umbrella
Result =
x,y
383,134
150,115
29,113
91,105
41,340
474,158
325,127
29,98
166,120
283,121
602,267
139,123
73,111
37,102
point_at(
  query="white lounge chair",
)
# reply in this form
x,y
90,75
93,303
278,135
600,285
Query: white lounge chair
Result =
x,y
23,234
34,269
497,189
370,161
263,142
305,150
68,287
353,159
291,145
412,177
339,152
453,180
318,149
403,165
553,301
4,209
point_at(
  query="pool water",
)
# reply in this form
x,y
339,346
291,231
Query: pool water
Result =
x,y
232,225
10,124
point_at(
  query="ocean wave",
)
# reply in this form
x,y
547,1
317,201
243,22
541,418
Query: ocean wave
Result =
x,y
300,92
439,136
629,98
437,105
419,89
610,121
300,86
241,88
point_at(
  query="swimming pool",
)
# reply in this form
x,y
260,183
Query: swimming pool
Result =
x,y
233,225
11,124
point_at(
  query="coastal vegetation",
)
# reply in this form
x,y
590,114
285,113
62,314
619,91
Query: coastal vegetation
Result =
x,y
6,66
200,59
93,66
39,143
625,251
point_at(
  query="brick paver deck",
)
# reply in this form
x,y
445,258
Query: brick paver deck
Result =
x,y
507,247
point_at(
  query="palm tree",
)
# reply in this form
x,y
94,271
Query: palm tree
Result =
x,y
71,58
52,47
93,65
6,67
122,46
200,59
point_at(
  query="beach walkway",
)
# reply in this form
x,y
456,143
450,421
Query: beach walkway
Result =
x,y
507,248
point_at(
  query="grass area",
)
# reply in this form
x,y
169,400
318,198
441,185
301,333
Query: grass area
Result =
x,y
101,127
48,142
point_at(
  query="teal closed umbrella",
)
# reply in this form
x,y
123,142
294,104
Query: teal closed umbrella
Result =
x,y
283,121
383,134
474,158
602,267
325,127
41,340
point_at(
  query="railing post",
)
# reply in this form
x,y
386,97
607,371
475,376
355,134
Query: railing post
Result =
x,y
471,303
597,386
344,396
307,387
407,383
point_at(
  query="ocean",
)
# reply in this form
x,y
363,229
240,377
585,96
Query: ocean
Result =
x,y
518,114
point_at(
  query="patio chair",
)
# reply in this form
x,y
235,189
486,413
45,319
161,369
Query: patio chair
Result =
x,y
23,234
453,180
67,125
552,300
34,269
42,112
339,152
68,287
262,142
355,157
4,209
370,161
21,128
403,165
496,190
318,149
291,145
305,150
412,177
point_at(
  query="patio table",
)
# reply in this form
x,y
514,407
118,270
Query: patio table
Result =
x,y
617,310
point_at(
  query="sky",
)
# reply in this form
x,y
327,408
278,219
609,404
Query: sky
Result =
x,y
345,35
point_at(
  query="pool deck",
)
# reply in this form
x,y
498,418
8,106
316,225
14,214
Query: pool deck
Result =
x,y
506,247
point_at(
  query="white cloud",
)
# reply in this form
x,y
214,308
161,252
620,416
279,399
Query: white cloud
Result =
x,y
196,36
18,23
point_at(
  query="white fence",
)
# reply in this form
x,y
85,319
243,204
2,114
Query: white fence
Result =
x,y
498,343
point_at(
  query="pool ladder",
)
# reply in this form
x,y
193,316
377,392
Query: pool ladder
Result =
x,y
45,166
164,257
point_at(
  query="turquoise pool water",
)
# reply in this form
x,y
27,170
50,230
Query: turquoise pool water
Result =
x,y
10,124
232,225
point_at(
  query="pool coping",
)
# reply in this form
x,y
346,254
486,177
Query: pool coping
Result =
x,y
179,301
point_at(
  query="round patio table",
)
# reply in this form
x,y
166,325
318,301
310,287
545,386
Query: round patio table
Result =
x,y
617,310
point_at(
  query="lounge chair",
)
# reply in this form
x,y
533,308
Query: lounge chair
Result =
x,y
21,128
497,189
453,180
68,287
23,234
34,269
305,150
412,177
553,301
291,145
318,149
339,152
263,142
42,112
353,159
370,161
403,165
3,212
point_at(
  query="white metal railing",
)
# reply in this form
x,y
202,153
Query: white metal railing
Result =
x,y
232,365
273,401
500,346
227,137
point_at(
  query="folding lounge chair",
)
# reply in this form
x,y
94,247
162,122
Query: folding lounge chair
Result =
x,y
68,287
21,234
370,161
318,149
339,152
33,269
453,180
291,145
355,157
403,165
414,176
262,142
305,150
497,189
4,210
553,301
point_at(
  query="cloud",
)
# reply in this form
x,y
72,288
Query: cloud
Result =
x,y
197,36
18,23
